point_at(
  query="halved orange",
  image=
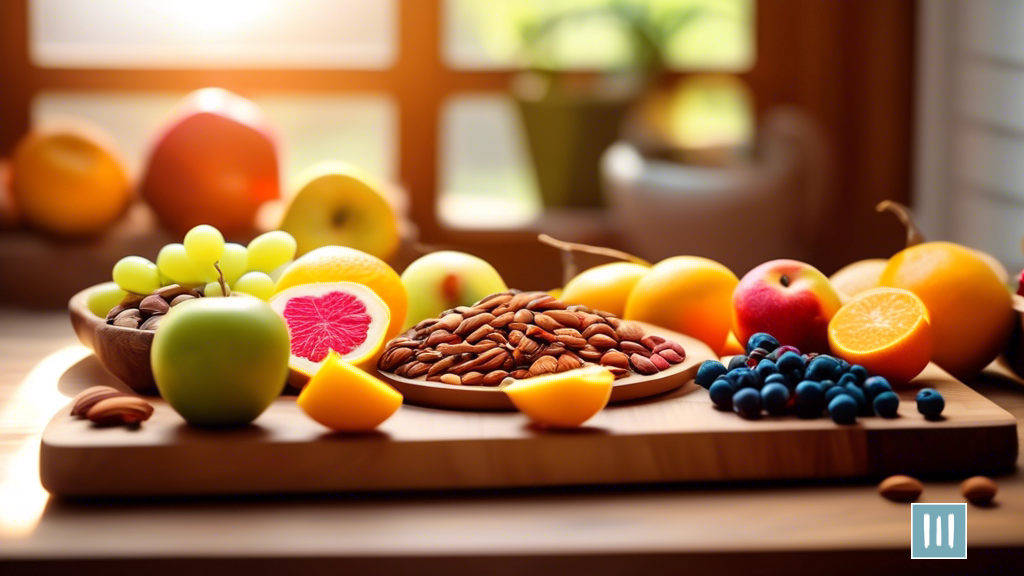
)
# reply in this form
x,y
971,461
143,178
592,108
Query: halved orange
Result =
x,y
563,400
886,330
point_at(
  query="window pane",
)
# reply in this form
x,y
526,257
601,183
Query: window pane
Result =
x,y
359,129
486,177
694,34
213,33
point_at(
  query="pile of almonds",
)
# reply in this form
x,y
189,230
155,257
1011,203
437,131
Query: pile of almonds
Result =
x,y
108,406
522,334
145,312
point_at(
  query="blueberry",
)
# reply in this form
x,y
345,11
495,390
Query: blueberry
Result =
x,y
844,366
794,377
810,399
831,393
930,403
744,378
747,403
775,398
708,372
827,384
860,372
765,368
886,404
775,379
822,368
876,385
858,395
843,409
848,379
762,340
791,361
721,394
738,361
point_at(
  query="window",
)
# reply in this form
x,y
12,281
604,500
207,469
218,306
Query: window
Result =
x,y
412,90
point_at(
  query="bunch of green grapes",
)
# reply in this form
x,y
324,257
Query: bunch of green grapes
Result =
x,y
251,269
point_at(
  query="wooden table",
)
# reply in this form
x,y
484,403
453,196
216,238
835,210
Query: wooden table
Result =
x,y
844,527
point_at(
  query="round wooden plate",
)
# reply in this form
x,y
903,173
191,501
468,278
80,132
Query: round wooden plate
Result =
x,y
439,395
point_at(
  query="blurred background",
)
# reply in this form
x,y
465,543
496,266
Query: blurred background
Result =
x,y
741,130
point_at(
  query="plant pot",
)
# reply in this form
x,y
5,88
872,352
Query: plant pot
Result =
x,y
567,131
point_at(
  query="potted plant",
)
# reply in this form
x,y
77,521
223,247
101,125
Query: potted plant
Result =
x,y
571,118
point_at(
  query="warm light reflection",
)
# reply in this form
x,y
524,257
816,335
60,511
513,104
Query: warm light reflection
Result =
x,y
30,407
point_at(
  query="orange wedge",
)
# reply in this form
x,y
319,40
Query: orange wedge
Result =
x,y
344,398
563,400
886,330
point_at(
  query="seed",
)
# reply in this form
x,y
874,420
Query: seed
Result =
x,y
546,322
520,300
900,488
615,358
470,324
479,334
114,312
503,320
629,331
519,374
587,320
590,353
491,360
572,341
602,341
497,337
417,369
543,365
518,326
448,322
539,333
441,365
523,317
670,345
152,322
393,358
599,328
544,302
472,379
171,291
154,304
89,397
125,409
979,490
634,348
642,365
514,337
567,362
452,379
493,301
618,372
566,318
428,356
661,363
494,377
670,355
568,332
129,318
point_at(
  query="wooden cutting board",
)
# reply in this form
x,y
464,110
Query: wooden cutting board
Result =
x,y
676,436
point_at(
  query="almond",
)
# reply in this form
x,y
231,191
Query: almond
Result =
x,y
629,331
543,365
900,488
602,341
979,490
120,410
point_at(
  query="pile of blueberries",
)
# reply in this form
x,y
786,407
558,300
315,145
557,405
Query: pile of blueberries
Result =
x,y
780,380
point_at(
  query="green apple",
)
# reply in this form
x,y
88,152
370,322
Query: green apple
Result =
x,y
221,361
446,279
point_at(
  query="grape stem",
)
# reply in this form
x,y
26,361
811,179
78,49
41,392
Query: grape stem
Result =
x,y
569,260
224,290
914,236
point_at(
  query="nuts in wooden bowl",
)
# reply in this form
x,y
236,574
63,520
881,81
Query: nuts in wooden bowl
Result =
x,y
522,334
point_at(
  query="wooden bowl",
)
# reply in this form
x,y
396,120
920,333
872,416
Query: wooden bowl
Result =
x,y
124,352
439,395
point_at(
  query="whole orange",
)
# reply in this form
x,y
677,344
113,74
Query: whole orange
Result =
x,y
344,264
971,311
605,287
65,182
688,294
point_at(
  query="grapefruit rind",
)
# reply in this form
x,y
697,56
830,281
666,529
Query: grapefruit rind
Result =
x,y
313,298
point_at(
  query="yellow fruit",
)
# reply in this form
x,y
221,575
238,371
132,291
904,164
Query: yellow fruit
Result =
x,y
970,309
604,287
66,183
687,294
344,398
732,346
563,400
342,205
852,279
343,264
885,330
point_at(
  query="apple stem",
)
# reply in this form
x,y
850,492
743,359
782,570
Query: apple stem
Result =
x,y
224,290
569,261
914,236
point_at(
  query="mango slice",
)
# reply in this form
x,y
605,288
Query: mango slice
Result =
x,y
346,399
564,400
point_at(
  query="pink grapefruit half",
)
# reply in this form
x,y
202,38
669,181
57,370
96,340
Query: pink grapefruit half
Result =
x,y
344,317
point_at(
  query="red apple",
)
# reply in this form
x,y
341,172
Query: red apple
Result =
x,y
215,163
788,299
